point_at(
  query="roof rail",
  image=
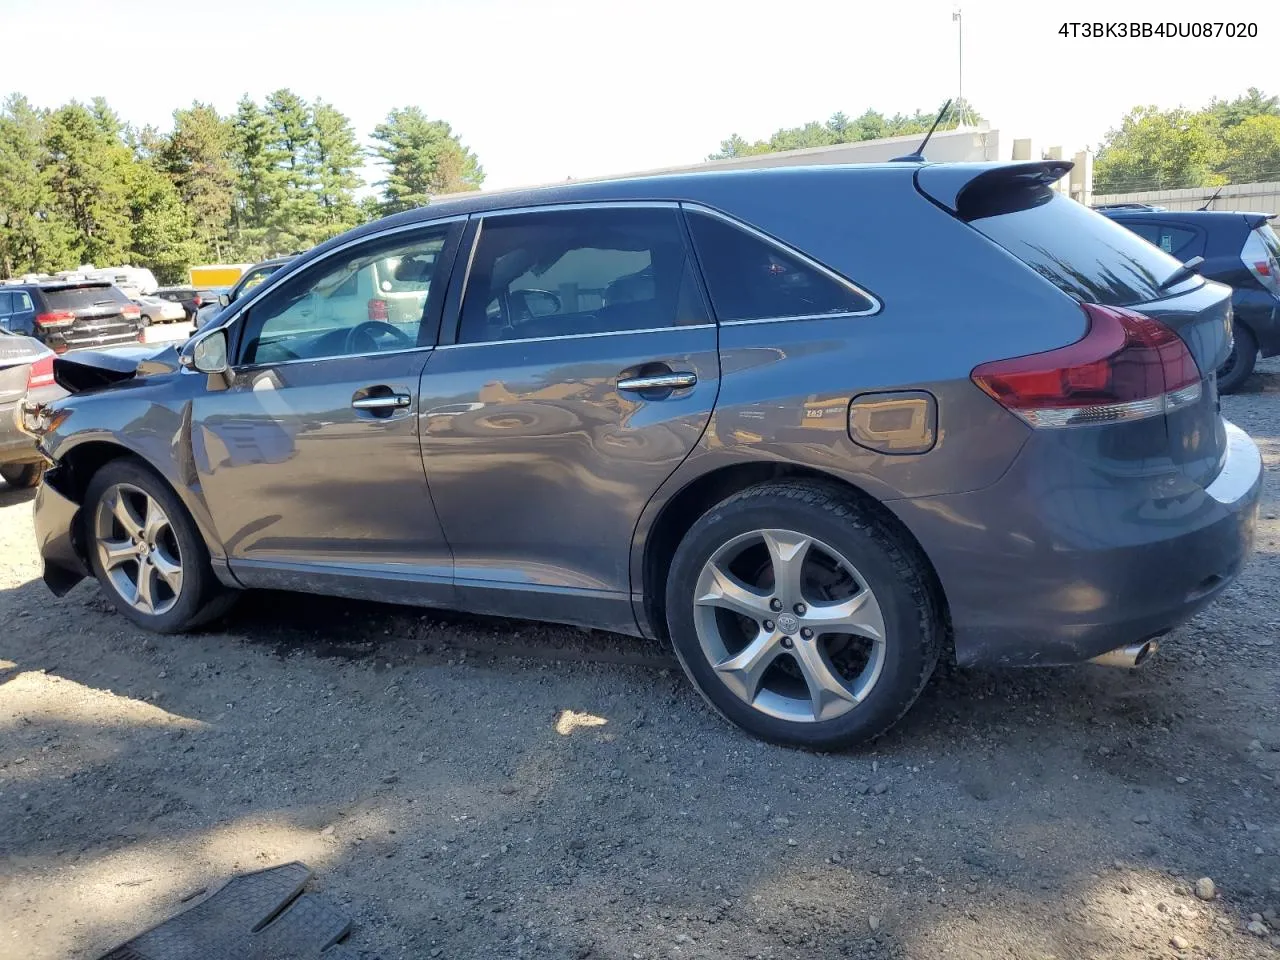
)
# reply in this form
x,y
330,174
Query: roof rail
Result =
x,y
1129,206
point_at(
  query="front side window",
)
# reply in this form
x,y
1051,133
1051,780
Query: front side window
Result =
x,y
573,272
371,299
749,278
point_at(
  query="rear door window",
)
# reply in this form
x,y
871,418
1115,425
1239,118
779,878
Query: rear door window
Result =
x,y
750,278
1083,253
565,273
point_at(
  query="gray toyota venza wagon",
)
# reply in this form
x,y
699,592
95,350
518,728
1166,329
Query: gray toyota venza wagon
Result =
x,y
817,426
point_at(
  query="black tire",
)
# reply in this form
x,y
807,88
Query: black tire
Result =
x,y
22,475
892,568
201,597
1239,366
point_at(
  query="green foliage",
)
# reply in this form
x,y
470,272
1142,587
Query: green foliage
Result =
x,y
33,235
335,158
197,157
84,166
422,158
1229,141
79,185
840,129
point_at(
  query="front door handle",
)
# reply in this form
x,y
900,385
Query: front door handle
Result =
x,y
389,401
659,381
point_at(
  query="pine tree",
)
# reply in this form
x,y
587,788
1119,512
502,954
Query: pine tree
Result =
x,y
260,185
33,236
335,157
294,223
197,156
422,157
85,167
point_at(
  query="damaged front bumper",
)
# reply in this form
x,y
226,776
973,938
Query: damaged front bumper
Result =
x,y
57,525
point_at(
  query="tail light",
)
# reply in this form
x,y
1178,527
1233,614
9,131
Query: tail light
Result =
x,y
41,373
1262,268
378,310
52,321
131,311
1127,367
197,301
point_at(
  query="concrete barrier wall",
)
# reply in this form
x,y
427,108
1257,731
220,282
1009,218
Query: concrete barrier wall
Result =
x,y
1251,197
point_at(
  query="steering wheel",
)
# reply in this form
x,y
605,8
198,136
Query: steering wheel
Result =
x,y
363,337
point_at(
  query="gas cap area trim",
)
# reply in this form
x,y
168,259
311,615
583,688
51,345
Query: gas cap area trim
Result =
x,y
898,423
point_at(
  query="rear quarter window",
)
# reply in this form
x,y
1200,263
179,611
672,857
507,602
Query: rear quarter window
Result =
x,y
1083,253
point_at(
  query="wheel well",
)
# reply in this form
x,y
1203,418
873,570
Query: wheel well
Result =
x,y
82,462
683,510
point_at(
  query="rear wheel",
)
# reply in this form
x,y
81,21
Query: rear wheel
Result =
x,y
146,552
802,616
23,475
1239,365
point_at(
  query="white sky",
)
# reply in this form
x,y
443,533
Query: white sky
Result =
x,y
546,89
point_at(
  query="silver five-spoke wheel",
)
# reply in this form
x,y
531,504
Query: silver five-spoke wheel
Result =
x,y
138,549
789,625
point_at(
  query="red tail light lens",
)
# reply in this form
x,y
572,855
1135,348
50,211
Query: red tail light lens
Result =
x,y
59,318
1127,366
1263,267
198,302
131,311
378,310
41,374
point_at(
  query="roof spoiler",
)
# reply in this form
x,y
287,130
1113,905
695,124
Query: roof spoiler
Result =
x,y
950,185
1256,220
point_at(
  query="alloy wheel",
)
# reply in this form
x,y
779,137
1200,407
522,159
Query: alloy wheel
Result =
x,y
138,549
789,625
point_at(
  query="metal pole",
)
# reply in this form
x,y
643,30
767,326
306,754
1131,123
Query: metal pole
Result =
x,y
960,65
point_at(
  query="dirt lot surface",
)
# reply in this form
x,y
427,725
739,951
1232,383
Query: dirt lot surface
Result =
x,y
489,789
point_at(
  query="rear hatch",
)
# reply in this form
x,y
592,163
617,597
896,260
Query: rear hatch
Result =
x,y
1261,253
1098,262
88,315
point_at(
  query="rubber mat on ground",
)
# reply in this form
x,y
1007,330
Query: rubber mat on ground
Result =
x,y
262,915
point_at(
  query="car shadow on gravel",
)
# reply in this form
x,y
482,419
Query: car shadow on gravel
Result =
x,y
11,496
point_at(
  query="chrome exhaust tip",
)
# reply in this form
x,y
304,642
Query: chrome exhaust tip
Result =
x,y
1134,655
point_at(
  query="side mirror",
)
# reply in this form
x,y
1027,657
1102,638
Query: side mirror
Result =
x,y
224,300
208,353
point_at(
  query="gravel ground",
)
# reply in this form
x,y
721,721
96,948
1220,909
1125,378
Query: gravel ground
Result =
x,y
473,788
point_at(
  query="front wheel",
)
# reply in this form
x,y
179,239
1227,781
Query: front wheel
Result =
x,y
146,552
1239,365
803,616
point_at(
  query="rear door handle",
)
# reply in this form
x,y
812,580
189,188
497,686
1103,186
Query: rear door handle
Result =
x,y
391,401
659,381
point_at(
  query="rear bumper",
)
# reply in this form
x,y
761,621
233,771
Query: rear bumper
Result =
x,y
56,518
1043,573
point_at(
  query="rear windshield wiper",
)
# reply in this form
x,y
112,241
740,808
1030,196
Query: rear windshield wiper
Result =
x,y
1182,273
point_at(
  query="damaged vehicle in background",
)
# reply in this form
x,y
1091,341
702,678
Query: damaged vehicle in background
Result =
x,y
26,375
589,404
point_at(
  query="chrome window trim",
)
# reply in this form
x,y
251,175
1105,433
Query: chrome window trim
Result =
x,y
292,270
578,336
876,304
584,205
253,367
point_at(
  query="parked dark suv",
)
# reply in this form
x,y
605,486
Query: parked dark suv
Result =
x,y
734,410
1239,249
70,314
